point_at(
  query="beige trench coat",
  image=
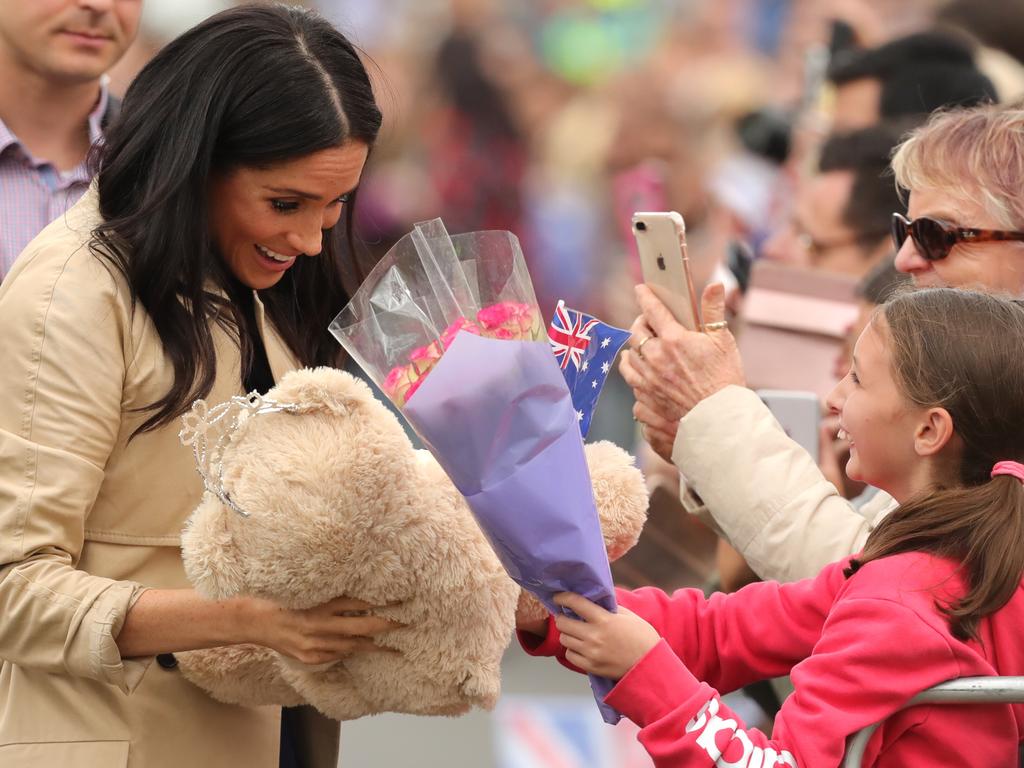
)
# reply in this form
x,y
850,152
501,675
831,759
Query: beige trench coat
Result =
x,y
764,492
88,521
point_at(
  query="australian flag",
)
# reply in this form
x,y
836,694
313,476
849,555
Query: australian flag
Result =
x,y
585,348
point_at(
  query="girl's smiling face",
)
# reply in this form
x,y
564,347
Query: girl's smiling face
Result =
x,y
884,428
263,219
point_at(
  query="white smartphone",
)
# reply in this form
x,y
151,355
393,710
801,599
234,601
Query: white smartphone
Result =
x,y
798,412
661,242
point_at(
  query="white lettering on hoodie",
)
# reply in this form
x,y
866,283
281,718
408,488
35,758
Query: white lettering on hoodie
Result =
x,y
708,725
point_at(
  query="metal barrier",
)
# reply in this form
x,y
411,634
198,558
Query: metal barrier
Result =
x,y
978,690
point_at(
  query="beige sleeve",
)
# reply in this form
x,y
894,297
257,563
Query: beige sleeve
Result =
x,y
62,373
763,490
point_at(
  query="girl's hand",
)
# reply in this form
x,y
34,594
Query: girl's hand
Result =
x,y
318,635
605,644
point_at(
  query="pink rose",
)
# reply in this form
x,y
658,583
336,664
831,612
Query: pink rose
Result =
x,y
403,381
510,320
393,379
501,314
425,358
462,324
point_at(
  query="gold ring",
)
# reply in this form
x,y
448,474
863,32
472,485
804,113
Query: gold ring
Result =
x,y
640,346
718,326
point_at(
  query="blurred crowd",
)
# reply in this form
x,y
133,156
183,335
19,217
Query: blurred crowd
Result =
x,y
557,119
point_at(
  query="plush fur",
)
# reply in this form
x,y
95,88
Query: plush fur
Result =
x,y
340,504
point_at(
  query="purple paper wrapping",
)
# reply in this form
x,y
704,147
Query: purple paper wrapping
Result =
x,y
449,328
500,420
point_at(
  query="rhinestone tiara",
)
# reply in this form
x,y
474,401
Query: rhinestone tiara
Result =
x,y
208,430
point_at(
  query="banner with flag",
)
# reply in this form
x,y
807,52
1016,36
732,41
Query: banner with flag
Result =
x,y
585,349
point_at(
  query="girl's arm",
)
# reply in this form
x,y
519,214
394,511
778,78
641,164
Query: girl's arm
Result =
x,y
757,633
760,632
872,656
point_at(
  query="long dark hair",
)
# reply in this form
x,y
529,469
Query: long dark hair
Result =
x,y
961,350
250,87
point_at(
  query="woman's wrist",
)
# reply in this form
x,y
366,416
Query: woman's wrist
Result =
x,y
243,620
166,621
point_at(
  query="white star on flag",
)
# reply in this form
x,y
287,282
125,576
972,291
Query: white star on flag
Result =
x,y
585,365
605,367
593,384
605,342
579,415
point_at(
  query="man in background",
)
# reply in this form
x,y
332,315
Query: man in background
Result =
x,y
53,105
840,217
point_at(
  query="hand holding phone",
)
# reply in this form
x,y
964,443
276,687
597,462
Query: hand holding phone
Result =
x,y
661,242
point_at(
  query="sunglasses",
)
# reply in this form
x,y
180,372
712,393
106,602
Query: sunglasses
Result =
x,y
935,239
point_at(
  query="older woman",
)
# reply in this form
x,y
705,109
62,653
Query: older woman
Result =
x,y
964,228
202,264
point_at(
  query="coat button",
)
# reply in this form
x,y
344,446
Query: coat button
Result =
x,y
166,660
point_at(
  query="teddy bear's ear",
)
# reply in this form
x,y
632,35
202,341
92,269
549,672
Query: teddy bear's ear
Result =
x,y
620,495
323,387
211,559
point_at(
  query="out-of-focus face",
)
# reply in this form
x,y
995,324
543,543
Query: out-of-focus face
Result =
x,y
989,266
65,40
263,219
816,236
856,104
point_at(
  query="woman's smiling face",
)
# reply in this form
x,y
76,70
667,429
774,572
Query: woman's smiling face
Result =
x,y
263,219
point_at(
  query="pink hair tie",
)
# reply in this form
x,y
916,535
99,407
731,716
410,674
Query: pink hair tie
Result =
x,y
1012,468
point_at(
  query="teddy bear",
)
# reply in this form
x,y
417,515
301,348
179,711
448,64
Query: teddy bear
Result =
x,y
315,491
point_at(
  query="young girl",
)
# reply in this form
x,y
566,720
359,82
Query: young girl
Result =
x,y
934,410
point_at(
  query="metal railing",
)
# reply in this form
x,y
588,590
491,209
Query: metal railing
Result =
x,y
977,690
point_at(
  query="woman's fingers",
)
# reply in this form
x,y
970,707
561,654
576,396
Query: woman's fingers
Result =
x,y
342,604
713,304
361,626
652,417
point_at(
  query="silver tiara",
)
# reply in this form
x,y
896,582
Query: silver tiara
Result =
x,y
208,430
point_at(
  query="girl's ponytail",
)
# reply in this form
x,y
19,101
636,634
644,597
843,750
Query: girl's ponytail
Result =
x,y
982,527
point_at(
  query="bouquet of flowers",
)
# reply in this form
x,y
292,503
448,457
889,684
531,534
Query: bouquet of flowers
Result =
x,y
450,330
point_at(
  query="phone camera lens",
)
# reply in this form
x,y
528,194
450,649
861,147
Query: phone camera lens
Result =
x,y
642,226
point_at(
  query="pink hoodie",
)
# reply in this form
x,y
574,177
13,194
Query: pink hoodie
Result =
x,y
857,650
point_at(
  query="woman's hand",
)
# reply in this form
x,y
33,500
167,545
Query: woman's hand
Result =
x,y
318,635
671,369
603,643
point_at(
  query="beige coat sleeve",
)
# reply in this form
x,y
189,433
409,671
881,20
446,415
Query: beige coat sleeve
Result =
x,y
764,491
63,365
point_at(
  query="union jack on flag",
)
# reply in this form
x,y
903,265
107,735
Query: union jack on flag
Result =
x,y
569,335
585,348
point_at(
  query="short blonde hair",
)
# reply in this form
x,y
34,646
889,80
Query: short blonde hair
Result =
x,y
972,154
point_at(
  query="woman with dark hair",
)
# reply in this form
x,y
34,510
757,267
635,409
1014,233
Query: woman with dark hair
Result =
x,y
203,263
